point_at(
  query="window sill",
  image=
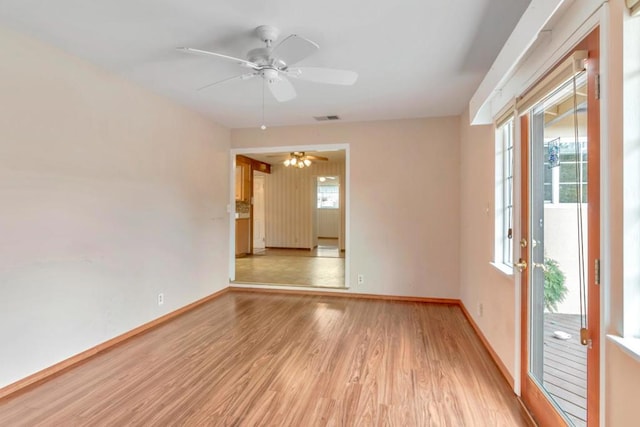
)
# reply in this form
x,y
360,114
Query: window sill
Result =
x,y
503,268
631,346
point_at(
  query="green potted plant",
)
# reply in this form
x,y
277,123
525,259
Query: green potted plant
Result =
x,y
555,290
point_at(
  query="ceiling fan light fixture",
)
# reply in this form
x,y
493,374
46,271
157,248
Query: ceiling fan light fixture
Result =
x,y
270,75
300,160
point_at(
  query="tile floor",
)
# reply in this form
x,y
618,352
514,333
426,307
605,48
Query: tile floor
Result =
x,y
322,267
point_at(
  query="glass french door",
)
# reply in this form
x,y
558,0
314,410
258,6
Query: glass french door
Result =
x,y
560,250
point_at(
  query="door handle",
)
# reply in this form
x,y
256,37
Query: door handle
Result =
x,y
541,266
521,265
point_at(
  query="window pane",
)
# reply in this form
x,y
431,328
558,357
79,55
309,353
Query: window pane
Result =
x,y
504,194
568,193
548,192
328,196
567,173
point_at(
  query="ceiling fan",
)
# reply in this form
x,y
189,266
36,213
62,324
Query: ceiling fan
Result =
x,y
274,64
299,159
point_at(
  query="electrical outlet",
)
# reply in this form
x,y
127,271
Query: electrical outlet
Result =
x,y
360,279
480,310
160,298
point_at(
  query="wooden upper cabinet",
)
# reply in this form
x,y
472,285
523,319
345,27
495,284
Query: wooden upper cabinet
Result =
x,y
244,176
238,182
243,179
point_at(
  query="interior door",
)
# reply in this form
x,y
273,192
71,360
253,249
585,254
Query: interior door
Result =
x,y
560,247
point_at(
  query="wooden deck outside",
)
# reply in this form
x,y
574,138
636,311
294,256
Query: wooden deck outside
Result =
x,y
565,366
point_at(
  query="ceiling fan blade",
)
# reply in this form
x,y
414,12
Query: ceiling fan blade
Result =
x,y
240,77
281,89
324,75
294,49
317,158
219,55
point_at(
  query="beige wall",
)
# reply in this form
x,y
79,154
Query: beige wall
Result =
x,y
481,282
109,195
622,382
404,200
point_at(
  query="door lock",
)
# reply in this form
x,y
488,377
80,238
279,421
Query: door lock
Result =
x,y
521,265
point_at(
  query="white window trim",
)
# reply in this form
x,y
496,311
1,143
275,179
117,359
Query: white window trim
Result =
x,y
631,346
500,258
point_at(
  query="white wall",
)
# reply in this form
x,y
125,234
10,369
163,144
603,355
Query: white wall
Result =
x,y
109,195
481,282
404,202
329,223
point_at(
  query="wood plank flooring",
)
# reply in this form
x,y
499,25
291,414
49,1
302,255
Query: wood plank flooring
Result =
x,y
249,359
565,366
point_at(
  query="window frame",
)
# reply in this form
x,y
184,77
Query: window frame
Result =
x,y
336,192
504,194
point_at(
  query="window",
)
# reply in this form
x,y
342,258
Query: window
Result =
x,y
328,193
504,195
630,291
562,172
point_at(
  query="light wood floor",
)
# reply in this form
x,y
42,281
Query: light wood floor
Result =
x,y
249,359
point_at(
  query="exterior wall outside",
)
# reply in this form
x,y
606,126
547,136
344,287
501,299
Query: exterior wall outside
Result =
x,y
404,199
110,195
560,244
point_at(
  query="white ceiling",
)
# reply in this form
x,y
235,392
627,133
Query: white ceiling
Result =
x,y
415,58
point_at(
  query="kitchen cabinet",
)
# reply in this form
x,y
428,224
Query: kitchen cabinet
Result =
x,y
238,182
243,236
243,180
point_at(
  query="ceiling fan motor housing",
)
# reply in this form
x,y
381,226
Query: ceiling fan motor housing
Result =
x,y
262,57
267,33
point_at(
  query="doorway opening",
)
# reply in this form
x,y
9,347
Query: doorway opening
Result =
x,y
560,364
297,219
328,218
560,249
